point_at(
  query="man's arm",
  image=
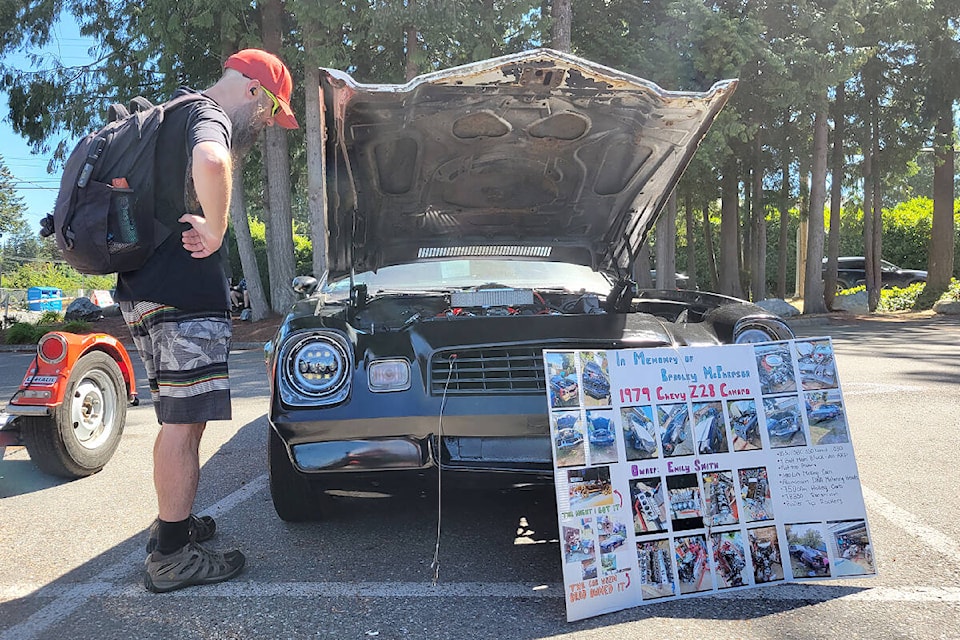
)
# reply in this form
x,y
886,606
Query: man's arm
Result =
x,y
212,169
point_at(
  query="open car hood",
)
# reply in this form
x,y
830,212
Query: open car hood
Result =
x,y
539,154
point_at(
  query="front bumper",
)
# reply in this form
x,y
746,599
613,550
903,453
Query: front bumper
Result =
x,y
41,411
454,453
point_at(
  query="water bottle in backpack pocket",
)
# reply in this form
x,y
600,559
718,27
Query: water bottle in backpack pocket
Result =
x,y
122,232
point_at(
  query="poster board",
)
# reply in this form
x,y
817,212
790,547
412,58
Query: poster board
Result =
x,y
685,471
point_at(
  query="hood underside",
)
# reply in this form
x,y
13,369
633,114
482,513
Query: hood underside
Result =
x,y
540,154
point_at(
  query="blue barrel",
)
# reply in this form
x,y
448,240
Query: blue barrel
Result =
x,y
44,299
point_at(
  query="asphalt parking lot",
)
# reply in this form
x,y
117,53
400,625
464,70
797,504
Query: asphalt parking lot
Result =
x,y
72,551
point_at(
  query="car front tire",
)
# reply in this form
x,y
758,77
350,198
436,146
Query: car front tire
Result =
x,y
295,497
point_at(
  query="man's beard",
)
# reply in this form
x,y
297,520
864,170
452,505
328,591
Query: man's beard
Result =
x,y
247,122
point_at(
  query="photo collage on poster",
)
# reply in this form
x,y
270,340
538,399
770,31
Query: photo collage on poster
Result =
x,y
677,465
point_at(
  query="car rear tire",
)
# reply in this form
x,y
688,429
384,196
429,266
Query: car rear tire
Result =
x,y
296,498
84,430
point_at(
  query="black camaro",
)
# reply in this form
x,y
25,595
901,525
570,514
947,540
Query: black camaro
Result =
x,y
477,216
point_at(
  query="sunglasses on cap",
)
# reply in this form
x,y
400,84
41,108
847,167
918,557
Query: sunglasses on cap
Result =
x,y
276,102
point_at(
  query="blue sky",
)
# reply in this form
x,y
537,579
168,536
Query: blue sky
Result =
x,y
34,185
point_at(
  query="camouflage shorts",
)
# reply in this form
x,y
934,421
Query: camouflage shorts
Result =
x,y
185,356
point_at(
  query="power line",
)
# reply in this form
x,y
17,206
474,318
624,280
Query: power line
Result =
x,y
38,184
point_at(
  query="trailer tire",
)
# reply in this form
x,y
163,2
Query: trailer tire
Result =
x,y
83,432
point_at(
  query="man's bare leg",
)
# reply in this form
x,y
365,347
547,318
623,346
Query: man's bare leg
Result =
x,y
176,469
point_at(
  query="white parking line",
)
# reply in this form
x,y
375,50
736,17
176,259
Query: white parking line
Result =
x,y
69,599
908,522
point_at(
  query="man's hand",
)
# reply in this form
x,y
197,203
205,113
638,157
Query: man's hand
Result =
x,y
201,240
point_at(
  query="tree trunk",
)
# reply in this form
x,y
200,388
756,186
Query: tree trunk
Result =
x,y
813,282
877,237
691,267
784,237
803,187
709,250
803,207
641,267
562,15
745,239
868,214
411,36
759,235
667,245
836,191
248,259
873,241
729,226
316,138
279,222
940,258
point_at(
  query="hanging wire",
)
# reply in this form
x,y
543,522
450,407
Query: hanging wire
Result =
x,y
435,565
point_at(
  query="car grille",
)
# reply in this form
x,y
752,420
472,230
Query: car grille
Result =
x,y
488,371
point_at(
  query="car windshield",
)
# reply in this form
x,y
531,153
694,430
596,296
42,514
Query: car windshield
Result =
x,y
461,274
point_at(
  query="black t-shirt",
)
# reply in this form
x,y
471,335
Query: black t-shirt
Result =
x,y
171,276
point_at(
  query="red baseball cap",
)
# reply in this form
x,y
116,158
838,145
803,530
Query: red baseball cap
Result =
x,y
260,65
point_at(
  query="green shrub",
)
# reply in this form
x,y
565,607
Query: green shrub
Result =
x,y
49,317
25,333
900,299
28,333
75,326
852,290
61,276
893,298
952,294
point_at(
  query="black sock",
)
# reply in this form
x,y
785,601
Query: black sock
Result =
x,y
171,536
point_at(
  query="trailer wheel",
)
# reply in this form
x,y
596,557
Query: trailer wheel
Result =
x,y
82,434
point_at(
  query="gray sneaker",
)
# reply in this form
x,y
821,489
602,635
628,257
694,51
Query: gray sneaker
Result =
x,y
202,529
190,565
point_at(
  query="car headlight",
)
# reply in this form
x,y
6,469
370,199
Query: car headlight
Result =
x,y
752,330
316,369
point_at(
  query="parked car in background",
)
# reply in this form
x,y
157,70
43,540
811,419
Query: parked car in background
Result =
x,y
682,279
851,272
479,215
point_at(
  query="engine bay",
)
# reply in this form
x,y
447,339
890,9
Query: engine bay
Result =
x,y
395,311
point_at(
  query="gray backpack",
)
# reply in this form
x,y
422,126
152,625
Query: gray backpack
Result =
x,y
104,219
